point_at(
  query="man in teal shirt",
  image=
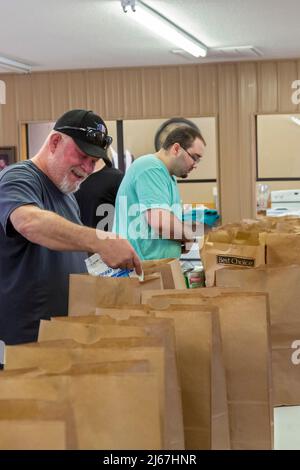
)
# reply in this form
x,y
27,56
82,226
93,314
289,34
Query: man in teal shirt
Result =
x,y
148,208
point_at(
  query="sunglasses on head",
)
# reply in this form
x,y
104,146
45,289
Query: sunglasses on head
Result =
x,y
94,136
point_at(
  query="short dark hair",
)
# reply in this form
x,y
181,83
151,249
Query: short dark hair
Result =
x,y
183,135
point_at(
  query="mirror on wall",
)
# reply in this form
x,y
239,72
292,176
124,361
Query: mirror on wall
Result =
x,y
278,163
278,150
139,139
36,135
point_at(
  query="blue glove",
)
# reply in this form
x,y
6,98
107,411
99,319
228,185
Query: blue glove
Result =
x,y
206,216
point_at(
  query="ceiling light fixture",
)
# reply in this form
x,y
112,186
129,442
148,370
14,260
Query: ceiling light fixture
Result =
x,y
14,65
163,27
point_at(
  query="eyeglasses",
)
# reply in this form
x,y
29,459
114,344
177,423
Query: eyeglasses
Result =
x,y
196,158
94,136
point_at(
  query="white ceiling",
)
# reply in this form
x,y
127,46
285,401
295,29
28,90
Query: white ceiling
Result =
x,y
81,34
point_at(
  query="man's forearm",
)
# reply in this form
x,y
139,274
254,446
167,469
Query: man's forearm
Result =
x,y
53,231
56,233
168,226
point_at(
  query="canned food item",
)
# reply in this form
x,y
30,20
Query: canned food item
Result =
x,y
195,277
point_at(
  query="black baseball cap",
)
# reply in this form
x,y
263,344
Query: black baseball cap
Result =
x,y
88,130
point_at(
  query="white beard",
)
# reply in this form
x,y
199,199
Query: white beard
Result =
x,y
66,187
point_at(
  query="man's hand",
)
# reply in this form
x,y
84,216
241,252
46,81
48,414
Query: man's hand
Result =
x,y
119,254
48,229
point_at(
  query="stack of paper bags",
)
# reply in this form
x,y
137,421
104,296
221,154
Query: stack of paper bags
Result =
x,y
282,285
201,371
231,246
244,326
118,393
88,292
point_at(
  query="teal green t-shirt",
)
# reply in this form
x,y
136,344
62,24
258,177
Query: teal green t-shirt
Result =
x,y
147,184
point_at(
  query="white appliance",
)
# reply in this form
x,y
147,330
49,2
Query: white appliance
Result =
x,y
286,428
285,202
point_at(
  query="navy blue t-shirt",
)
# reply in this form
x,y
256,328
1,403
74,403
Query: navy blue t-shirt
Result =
x,y
33,279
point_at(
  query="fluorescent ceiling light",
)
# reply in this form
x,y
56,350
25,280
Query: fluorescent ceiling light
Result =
x,y
160,25
14,65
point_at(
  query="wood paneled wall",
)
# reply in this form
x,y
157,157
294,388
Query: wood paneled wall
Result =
x,y
233,93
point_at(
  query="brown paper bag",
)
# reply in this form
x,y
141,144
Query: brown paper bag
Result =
x,y
287,224
283,248
159,328
147,296
83,333
66,366
282,285
36,425
125,311
202,377
280,282
206,423
32,435
110,411
286,363
244,322
118,412
201,371
45,354
89,292
170,270
225,248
